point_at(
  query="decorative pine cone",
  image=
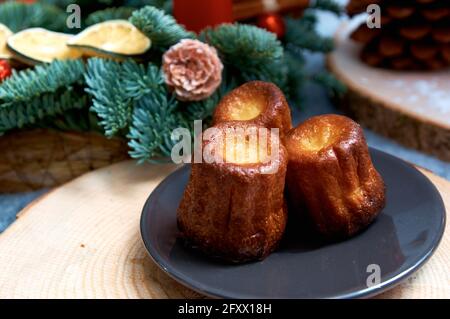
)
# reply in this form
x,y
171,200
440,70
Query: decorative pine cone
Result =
x,y
192,69
414,34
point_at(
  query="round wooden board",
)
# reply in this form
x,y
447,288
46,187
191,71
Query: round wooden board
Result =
x,y
410,107
82,240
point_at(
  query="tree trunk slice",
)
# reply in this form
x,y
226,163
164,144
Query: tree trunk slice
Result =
x,y
40,158
412,108
82,240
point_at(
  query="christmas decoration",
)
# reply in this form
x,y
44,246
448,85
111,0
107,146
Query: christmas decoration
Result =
x,y
199,14
106,39
36,45
5,33
192,69
20,16
120,13
5,70
245,9
272,22
161,28
412,36
33,95
128,98
249,53
395,93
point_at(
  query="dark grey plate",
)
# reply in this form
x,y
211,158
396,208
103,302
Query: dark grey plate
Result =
x,y
400,241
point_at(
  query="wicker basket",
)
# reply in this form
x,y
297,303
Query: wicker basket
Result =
x,y
30,160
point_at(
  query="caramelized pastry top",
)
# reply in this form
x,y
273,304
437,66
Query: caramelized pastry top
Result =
x,y
321,134
242,145
258,102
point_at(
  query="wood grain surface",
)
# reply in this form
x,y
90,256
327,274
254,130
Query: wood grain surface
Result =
x,y
82,241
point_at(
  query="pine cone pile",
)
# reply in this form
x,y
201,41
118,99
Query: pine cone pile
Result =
x,y
414,34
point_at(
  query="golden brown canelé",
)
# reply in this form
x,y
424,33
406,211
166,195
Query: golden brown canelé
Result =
x,y
331,176
235,210
260,103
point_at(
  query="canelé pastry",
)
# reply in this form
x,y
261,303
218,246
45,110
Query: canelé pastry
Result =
x,y
331,176
260,103
233,206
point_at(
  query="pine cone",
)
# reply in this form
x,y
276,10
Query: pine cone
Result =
x,y
414,34
192,69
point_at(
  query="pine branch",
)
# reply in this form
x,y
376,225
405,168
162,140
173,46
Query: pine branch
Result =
x,y
33,95
244,45
119,13
48,78
30,112
330,82
59,3
154,120
302,34
296,53
87,6
296,77
79,120
200,110
308,19
107,2
203,110
140,80
157,113
110,100
165,5
19,16
328,5
254,53
161,28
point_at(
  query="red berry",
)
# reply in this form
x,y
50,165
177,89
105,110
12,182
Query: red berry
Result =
x,y
272,22
5,70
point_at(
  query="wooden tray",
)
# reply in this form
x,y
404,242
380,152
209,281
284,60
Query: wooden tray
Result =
x,y
410,107
82,241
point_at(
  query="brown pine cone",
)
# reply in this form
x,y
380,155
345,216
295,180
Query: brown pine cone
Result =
x,y
414,34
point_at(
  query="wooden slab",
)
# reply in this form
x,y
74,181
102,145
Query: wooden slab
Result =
x,y
410,107
82,241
